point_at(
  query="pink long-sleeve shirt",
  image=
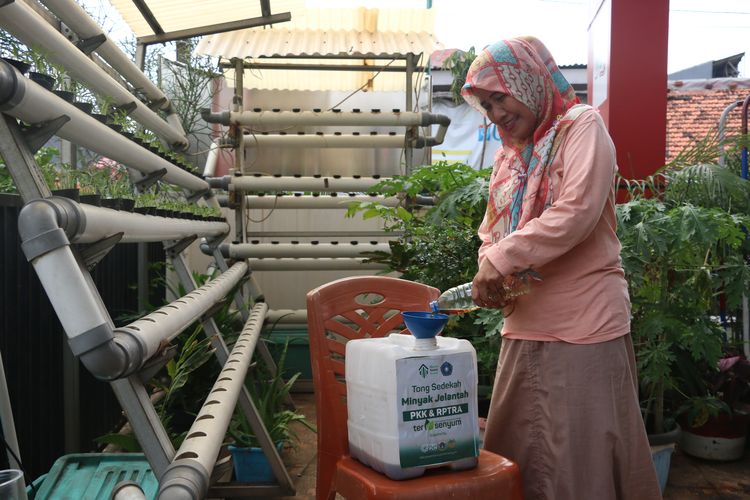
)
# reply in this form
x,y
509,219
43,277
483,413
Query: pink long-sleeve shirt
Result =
x,y
583,295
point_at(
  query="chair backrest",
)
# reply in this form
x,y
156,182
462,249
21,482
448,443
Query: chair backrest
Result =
x,y
351,308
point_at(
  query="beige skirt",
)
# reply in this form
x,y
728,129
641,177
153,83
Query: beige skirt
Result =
x,y
568,414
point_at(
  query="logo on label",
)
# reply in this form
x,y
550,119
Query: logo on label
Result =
x,y
446,369
423,371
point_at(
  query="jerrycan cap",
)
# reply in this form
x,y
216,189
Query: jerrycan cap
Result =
x,y
425,326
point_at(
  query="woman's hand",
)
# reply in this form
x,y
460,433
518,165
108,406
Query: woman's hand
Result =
x,y
487,287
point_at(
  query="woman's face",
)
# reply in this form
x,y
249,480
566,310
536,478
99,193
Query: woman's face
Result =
x,y
514,119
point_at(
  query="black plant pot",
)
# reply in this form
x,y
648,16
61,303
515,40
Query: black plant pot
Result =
x,y
101,118
113,203
115,127
67,193
65,95
21,66
127,204
45,81
91,199
86,107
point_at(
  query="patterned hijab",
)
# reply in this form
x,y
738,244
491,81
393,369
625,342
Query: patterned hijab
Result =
x,y
524,69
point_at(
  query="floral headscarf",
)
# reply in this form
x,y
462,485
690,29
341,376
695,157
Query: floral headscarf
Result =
x,y
524,69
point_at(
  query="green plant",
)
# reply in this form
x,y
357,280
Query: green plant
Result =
x,y
458,63
683,246
269,393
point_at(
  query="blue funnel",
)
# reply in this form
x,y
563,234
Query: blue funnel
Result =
x,y
424,325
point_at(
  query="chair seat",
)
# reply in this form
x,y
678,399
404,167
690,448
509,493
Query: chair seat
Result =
x,y
494,477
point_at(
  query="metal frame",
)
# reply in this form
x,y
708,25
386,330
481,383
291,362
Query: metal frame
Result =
x,y
49,228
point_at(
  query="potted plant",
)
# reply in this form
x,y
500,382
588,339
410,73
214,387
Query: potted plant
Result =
x,y
269,393
682,245
715,424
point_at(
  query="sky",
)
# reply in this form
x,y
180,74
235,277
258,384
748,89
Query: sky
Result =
x,y
699,30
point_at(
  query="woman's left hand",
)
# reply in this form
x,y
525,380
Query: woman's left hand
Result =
x,y
487,287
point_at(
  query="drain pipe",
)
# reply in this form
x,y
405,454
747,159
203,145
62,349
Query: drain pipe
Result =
x,y
75,18
209,169
31,103
20,20
722,126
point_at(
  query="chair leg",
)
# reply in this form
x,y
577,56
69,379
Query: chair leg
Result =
x,y
324,488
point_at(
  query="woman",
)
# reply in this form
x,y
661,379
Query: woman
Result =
x,y
565,404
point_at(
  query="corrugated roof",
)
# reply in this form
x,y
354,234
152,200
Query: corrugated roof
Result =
x,y
251,43
361,32
175,15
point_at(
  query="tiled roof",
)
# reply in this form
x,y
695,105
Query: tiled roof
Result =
x,y
692,114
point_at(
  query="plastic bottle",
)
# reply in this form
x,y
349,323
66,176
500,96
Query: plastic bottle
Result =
x,y
457,300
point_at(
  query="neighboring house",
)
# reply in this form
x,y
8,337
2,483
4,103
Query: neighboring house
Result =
x,y
694,108
721,68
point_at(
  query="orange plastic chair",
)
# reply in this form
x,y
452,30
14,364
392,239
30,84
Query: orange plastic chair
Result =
x,y
370,306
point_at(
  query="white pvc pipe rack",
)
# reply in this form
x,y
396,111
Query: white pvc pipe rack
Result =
x,y
301,250
309,264
300,201
169,321
328,118
81,23
99,223
324,141
20,20
31,103
268,183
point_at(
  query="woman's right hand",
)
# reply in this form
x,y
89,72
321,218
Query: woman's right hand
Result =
x,y
487,287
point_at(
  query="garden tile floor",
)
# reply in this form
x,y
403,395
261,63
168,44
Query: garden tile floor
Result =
x,y
689,478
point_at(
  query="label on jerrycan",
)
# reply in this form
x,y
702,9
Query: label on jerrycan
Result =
x,y
437,410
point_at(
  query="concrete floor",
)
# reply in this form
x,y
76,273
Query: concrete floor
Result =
x,y
689,478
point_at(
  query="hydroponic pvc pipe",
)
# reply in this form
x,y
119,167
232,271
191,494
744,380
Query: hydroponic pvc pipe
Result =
x,y
29,102
88,224
20,20
300,250
44,226
188,474
340,264
79,21
325,141
317,202
325,118
169,321
99,223
268,183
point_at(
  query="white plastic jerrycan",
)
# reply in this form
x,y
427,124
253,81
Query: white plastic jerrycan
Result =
x,y
412,400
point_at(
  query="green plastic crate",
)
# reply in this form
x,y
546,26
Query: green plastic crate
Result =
x,y
94,475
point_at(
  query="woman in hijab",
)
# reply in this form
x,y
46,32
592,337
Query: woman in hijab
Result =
x,y
565,404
